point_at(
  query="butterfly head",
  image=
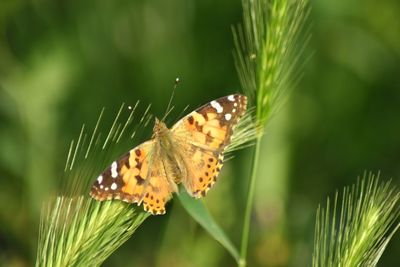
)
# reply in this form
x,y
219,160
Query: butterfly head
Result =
x,y
159,129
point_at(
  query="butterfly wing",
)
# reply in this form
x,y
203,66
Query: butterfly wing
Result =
x,y
139,176
201,137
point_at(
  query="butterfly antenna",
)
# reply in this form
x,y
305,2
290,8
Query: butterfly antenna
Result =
x,y
169,109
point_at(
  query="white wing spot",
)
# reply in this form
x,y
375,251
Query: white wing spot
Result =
x,y
217,106
114,172
101,186
114,186
228,116
235,104
106,188
234,110
100,179
231,98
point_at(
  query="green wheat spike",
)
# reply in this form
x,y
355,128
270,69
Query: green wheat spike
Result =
x,y
367,220
74,229
268,48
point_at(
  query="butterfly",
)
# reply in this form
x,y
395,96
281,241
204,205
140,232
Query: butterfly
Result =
x,y
191,153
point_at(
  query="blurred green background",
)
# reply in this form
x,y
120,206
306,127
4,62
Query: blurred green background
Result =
x,y
61,61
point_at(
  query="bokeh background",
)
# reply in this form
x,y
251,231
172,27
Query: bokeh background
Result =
x,y
62,61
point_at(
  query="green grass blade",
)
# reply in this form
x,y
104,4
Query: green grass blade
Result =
x,y
200,214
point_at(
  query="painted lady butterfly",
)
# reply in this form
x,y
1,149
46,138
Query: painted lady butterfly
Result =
x,y
191,153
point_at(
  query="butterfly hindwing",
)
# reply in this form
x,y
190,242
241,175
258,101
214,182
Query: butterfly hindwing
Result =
x,y
203,167
159,185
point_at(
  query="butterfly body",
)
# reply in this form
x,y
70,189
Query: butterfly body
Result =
x,y
168,150
191,153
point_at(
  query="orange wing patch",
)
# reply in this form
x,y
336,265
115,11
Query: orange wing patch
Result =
x,y
204,130
135,174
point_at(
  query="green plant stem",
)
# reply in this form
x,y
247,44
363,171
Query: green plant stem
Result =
x,y
249,205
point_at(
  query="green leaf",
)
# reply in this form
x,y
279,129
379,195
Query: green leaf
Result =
x,y
200,214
